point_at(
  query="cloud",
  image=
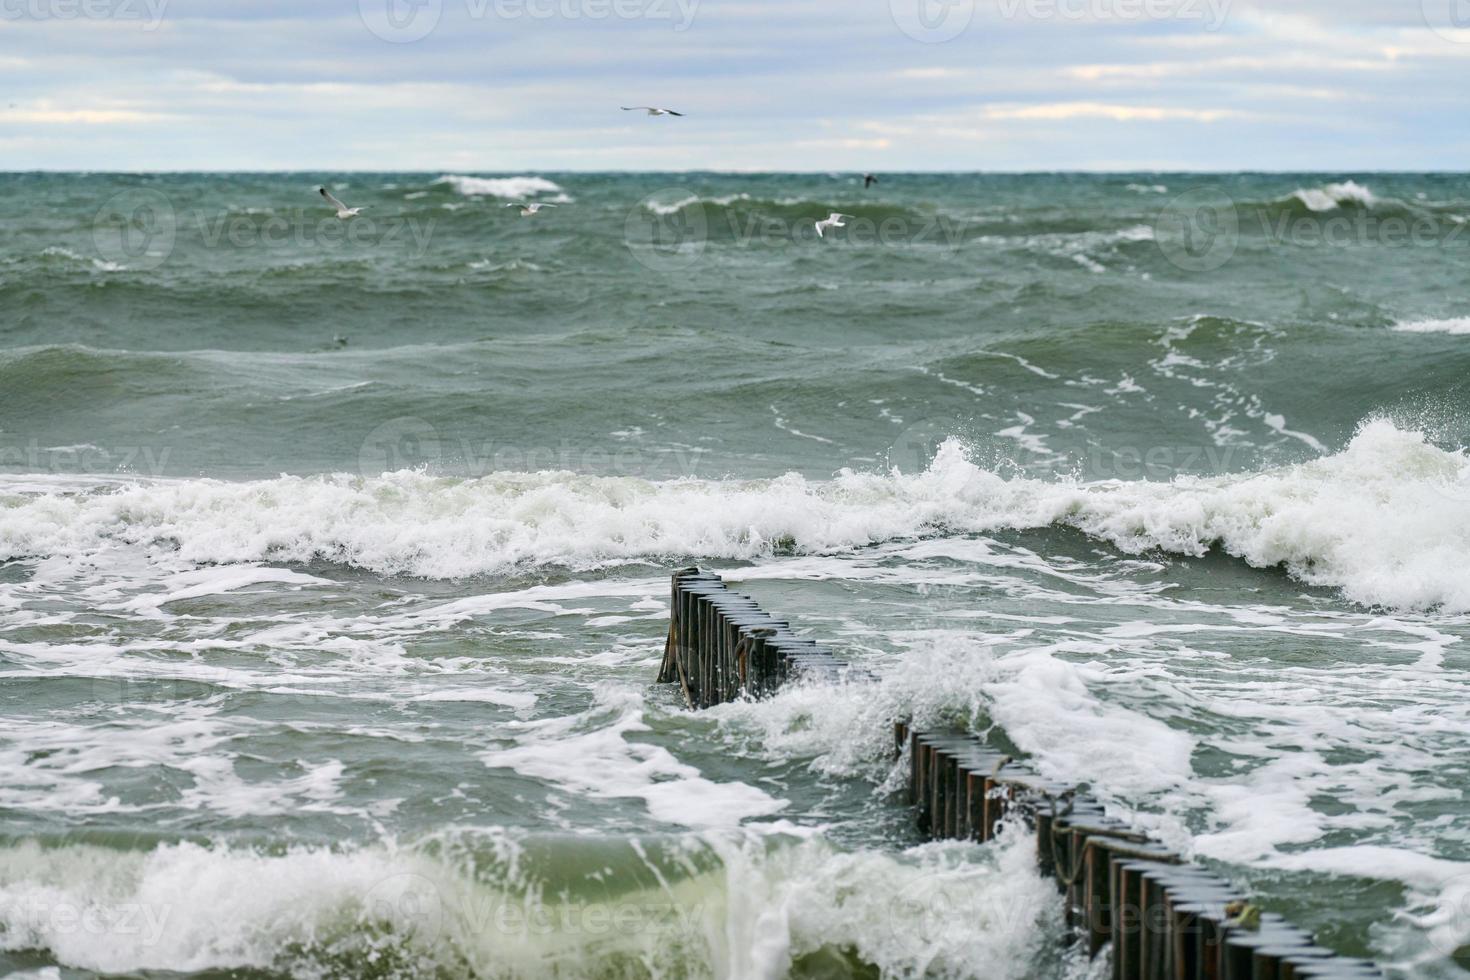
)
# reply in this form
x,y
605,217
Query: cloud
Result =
x,y
767,84
1052,111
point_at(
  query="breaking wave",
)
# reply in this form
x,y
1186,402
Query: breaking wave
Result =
x,y
1385,520
731,906
506,187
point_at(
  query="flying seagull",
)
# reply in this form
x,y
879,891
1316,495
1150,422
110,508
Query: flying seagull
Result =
x,y
651,110
868,181
527,210
833,221
343,211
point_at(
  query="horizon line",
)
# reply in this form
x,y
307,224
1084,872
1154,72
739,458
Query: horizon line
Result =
x,y
526,171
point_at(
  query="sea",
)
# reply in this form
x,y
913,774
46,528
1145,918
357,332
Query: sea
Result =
x,y
335,560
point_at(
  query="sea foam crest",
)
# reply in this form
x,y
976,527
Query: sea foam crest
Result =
x,y
734,905
1332,196
1387,519
1453,325
507,187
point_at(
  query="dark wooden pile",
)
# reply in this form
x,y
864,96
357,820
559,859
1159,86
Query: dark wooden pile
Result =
x,y
1164,918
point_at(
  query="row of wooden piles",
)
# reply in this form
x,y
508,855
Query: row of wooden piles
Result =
x,y
1163,918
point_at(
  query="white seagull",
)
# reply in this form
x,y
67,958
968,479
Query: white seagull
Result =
x,y
834,220
527,210
651,110
343,211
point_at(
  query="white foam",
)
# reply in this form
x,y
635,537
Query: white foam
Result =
x,y
1385,519
733,907
505,187
1454,325
670,207
589,753
216,580
1332,196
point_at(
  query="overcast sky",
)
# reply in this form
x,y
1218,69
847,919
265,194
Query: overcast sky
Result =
x,y
495,85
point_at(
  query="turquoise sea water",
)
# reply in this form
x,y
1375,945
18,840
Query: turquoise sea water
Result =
x,y
334,561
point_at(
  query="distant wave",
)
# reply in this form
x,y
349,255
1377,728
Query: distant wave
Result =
x,y
674,206
1460,325
783,207
505,187
1385,519
55,252
1333,196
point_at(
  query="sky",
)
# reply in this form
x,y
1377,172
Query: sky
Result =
x,y
782,85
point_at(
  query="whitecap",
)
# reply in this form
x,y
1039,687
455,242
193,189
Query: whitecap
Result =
x,y
504,187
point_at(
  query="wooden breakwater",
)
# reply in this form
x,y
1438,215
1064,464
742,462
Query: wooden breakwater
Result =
x,y
1163,918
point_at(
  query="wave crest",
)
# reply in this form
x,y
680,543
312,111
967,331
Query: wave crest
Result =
x,y
1386,519
1456,325
1329,197
734,905
504,187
